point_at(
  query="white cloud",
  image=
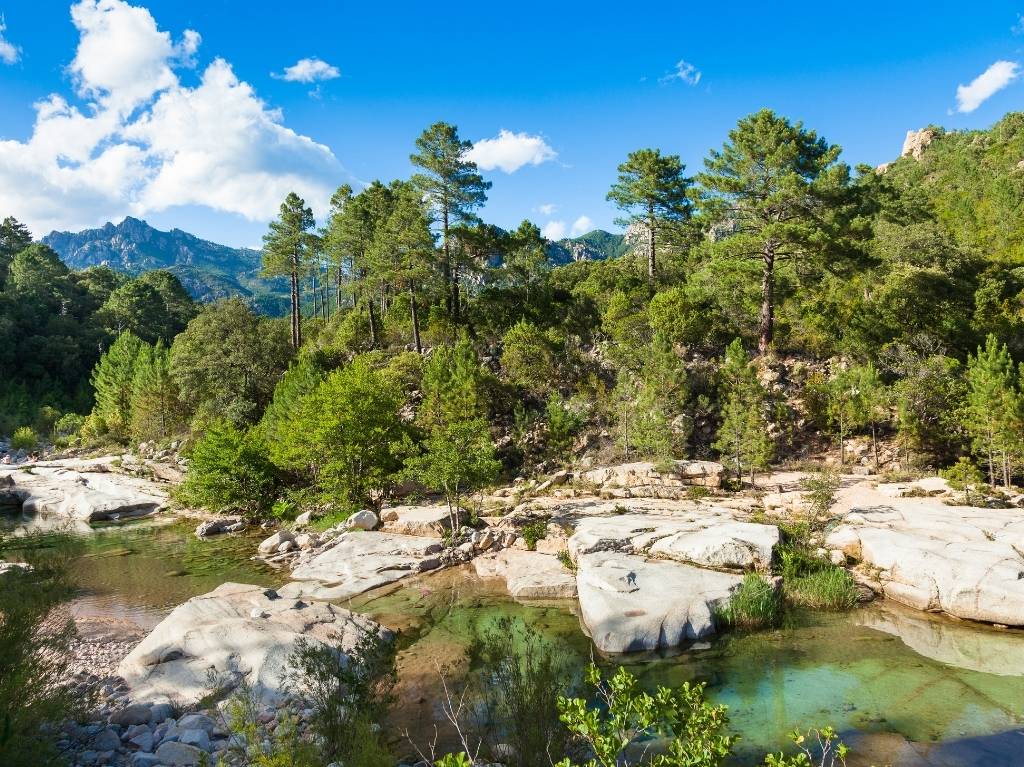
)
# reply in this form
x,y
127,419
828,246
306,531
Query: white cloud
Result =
x,y
1018,27
554,230
685,72
988,83
547,209
9,52
510,151
143,142
312,70
581,225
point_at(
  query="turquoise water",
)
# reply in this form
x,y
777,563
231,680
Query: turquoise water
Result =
x,y
904,688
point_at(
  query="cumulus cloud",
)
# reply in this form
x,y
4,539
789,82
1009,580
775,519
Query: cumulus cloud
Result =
x,y
9,52
143,142
547,209
312,70
554,230
581,225
981,88
510,151
684,72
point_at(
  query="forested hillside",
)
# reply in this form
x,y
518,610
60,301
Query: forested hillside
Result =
x,y
773,302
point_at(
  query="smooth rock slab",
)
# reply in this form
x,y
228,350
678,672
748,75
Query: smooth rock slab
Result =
x,y
708,537
962,561
360,561
87,497
427,521
217,632
528,574
629,604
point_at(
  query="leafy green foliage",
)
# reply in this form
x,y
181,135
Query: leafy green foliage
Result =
x,y
24,438
346,434
533,532
113,380
229,471
693,726
156,410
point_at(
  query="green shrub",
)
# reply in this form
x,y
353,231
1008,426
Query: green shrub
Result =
x,y
253,744
24,438
533,532
229,471
520,679
820,493
35,650
566,560
349,694
830,588
965,476
697,492
68,425
756,604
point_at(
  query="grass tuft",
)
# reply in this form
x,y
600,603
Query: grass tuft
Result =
x,y
755,604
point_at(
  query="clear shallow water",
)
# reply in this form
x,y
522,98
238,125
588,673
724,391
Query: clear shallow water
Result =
x,y
904,688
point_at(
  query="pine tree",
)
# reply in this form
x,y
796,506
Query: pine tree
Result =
x,y
775,187
454,188
744,438
113,381
652,188
286,248
661,394
14,238
992,405
453,386
156,410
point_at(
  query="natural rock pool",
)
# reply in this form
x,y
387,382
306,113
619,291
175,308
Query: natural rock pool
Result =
x,y
903,687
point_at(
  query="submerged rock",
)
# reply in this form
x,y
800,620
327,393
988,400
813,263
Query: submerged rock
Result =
x,y
217,633
629,604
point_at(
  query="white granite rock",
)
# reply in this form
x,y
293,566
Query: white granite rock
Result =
x,y
362,520
359,561
428,521
630,604
216,631
528,574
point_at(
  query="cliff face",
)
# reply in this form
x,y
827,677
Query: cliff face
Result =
x,y
207,270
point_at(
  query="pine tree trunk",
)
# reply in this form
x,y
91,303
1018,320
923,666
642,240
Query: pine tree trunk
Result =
x,y
651,264
296,326
337,297
415,319
1006,469
315,302
767,325
991,464
447,265
373,324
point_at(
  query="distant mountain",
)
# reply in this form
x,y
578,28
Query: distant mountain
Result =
x,y
597,245
207,270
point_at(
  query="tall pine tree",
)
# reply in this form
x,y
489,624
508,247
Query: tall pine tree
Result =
x,y
286,248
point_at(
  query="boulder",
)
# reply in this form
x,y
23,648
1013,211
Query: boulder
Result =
x,y
528,574
427,521
274,542
963,561
644,474
174,754
135,714
216,633
629,603
362,520
360,561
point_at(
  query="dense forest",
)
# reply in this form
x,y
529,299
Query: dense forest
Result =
x,y
774,302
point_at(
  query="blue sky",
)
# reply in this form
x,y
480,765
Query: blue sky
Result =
x,y
183,113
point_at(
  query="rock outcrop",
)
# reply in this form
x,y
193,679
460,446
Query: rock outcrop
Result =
x,y
528,574
644,478
82,491
707,537
234,631
963,561
430,521
629,604
359,561
916,141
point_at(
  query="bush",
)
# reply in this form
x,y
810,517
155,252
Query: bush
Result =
x,y
521,678
529,359
24,438
68,425
755,604
35,650
533,532
820,494
350,693
229,471
965,476
830,588
252,744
